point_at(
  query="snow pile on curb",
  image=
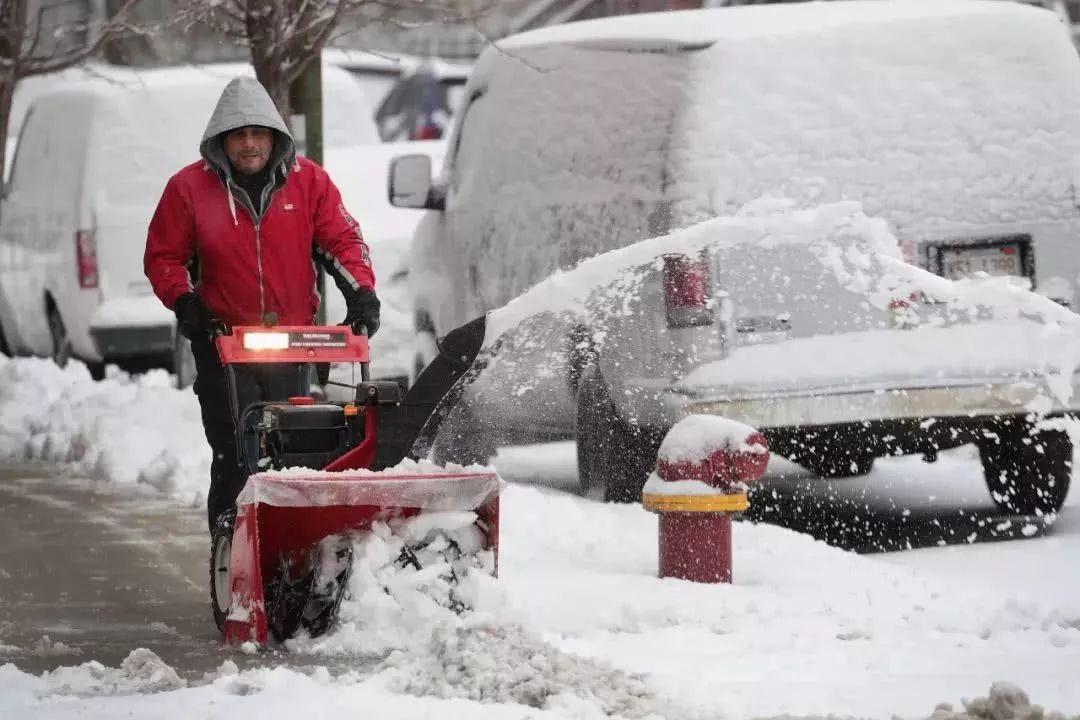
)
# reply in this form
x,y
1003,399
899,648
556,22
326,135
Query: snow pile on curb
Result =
x,y
129,431
458,614
47,647
142,671
493,663
1005,702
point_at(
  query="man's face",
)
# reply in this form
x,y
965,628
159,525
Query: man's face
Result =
x,y
248,148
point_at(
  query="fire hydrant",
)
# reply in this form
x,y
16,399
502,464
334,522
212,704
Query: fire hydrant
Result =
x,y
702,471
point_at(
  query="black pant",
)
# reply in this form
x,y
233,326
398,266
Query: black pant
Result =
x,y
254,383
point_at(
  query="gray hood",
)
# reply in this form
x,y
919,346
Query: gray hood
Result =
x,y
244,101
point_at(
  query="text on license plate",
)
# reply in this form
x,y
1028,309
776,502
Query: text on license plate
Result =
x,y
994,260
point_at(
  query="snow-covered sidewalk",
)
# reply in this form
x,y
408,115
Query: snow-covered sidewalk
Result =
x,y
577,625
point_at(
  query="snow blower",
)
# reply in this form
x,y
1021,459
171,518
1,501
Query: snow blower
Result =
x,y
281,561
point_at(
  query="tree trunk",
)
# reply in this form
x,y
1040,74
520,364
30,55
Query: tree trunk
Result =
x,y
269,74
12,33
260,21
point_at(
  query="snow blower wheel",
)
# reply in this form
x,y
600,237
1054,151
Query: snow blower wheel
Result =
x,y
220,552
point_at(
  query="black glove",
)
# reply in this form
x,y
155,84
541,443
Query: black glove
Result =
x,y
363,311
193,318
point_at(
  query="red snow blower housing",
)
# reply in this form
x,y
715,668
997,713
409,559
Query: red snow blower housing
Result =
x,y
282,560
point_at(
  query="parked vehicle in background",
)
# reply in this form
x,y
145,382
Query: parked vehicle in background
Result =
x,y
375,74
578,139
92,158
415,98
423,101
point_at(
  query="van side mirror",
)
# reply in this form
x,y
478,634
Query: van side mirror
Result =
x,y
410,184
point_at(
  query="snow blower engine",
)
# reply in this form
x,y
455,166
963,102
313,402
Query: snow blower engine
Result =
x,y
282,560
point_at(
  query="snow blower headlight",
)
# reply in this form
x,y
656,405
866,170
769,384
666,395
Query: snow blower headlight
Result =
x,y
266,341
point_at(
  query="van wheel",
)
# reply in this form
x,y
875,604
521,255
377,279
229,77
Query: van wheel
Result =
x,y
614,456
1026,473
61,345
183,363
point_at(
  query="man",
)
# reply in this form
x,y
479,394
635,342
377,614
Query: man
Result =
x,y
251,213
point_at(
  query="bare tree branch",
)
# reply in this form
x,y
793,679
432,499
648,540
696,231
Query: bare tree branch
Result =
x,y
27,64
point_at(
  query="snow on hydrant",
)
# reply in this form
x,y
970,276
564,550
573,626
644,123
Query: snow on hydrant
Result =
x,y
702,471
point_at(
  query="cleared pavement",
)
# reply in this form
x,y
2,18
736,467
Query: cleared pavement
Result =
x,y
88,575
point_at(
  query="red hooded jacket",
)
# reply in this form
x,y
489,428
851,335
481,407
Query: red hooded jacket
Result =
x,y
251,267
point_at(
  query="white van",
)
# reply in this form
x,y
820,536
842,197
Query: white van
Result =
x,y
956,122
92,158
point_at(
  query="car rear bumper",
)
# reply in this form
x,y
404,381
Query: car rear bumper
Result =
x,y
113,343
987,399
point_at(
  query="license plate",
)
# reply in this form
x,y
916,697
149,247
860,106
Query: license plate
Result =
x,y
961,262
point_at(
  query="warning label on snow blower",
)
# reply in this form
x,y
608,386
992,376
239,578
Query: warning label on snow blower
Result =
x,y
317,339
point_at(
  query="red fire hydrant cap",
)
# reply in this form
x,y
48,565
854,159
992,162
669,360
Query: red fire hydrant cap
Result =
x,y
714,450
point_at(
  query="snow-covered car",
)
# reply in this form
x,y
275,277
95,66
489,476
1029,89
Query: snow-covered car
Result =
x,y
93,155
681,117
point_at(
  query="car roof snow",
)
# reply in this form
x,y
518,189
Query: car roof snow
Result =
x,y
688,29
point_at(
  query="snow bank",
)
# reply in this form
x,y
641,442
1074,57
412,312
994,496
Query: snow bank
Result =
x,y
825,620
494,663
137,434
1004,702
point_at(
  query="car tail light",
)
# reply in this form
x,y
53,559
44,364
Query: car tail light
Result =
x,y
687,291
86,259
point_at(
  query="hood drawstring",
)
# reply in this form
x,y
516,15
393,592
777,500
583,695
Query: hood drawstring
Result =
x,y
232,204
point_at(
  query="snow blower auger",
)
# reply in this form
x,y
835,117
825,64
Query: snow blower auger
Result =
x,y
282,560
